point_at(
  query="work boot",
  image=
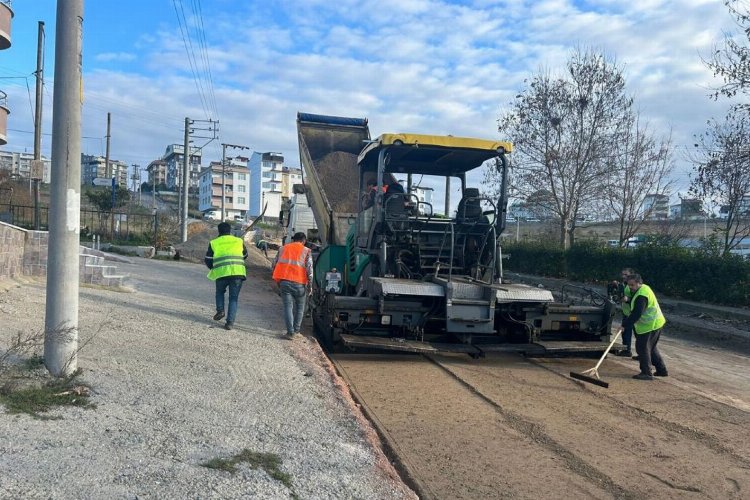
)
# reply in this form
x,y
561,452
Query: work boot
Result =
x,y
229,325
636,358
661,373
218,315
627,353
643,376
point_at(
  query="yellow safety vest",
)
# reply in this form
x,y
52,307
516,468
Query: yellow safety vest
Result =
x,y
627,306
228,259
652,317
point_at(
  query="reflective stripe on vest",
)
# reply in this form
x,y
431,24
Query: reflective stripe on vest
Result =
x,y
228,259
290,265
652,318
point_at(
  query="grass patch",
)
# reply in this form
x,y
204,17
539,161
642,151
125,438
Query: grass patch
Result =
x,y
269,462
35,400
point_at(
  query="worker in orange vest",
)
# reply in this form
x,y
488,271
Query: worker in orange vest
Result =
x,y
293,272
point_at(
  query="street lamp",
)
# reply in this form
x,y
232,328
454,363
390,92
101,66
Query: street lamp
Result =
x,y
224,173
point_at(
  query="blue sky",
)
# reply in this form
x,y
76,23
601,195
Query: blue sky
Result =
x,y
424,66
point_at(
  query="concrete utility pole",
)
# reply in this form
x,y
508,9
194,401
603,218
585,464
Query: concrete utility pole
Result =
x,y
107,172
110,175
185,182
61,319
136,178
38,120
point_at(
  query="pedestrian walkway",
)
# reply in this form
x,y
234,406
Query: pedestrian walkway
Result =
x,y
174,391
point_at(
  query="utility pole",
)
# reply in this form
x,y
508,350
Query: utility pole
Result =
x,y
136,178
61,318
224,173
185,177
36,174
110,175
107,171
223,179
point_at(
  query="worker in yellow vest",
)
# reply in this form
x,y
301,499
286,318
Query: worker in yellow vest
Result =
x,y
293,272
627,296
225,258
647,320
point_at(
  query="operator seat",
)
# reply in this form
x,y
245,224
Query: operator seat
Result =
x,y
469,210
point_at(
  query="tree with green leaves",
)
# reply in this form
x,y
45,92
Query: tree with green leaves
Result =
x,y
721,166
101,197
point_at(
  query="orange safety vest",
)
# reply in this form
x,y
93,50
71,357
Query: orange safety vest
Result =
x,y
291,263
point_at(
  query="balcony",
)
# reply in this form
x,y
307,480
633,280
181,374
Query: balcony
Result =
x,y
6,14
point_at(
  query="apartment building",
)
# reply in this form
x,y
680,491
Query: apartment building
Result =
x,y
174,157
289,177
266,183
236,191
95,167
19,165
157,172
656,206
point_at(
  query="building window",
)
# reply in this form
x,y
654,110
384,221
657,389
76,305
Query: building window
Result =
x,y
267,185
268,175
240,200
241,177
241,188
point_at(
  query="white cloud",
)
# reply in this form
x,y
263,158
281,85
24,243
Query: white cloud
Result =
x,y
424,66
115,57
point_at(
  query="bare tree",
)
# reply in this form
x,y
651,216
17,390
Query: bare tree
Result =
x,y
643,164
731,61
564,129
722,169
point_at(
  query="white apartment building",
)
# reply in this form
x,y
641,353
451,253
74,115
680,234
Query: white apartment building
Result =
x,y
656,206
266,181
19,165
236,191
289,177
95,167
424,195
173,156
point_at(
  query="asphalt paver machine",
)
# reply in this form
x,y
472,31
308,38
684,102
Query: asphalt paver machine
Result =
x,y
393,274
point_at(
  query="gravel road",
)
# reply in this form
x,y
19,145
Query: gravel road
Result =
x,y
173,390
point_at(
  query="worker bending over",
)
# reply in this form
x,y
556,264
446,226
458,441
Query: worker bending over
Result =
x,y
647,321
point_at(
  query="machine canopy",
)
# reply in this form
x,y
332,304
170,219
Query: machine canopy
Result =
x,y
431,154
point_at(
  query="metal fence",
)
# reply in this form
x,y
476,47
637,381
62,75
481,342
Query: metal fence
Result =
x,y
127,226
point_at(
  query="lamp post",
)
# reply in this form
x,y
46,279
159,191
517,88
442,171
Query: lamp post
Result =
x,y
224,173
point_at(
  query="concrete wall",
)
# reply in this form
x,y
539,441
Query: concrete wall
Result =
x,y
22,252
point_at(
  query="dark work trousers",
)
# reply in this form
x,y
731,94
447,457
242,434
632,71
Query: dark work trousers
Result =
x,y
648,353
627,335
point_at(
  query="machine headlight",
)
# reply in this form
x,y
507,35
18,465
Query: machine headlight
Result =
x,y
385,320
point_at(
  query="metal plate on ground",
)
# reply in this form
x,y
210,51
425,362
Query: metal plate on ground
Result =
x,y
403,345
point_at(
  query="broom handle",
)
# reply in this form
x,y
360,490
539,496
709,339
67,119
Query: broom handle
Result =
x,y
617,335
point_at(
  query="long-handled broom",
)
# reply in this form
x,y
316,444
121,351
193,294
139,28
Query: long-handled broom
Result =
x,y
592,375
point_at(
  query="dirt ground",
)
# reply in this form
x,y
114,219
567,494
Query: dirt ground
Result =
x,y
510,427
